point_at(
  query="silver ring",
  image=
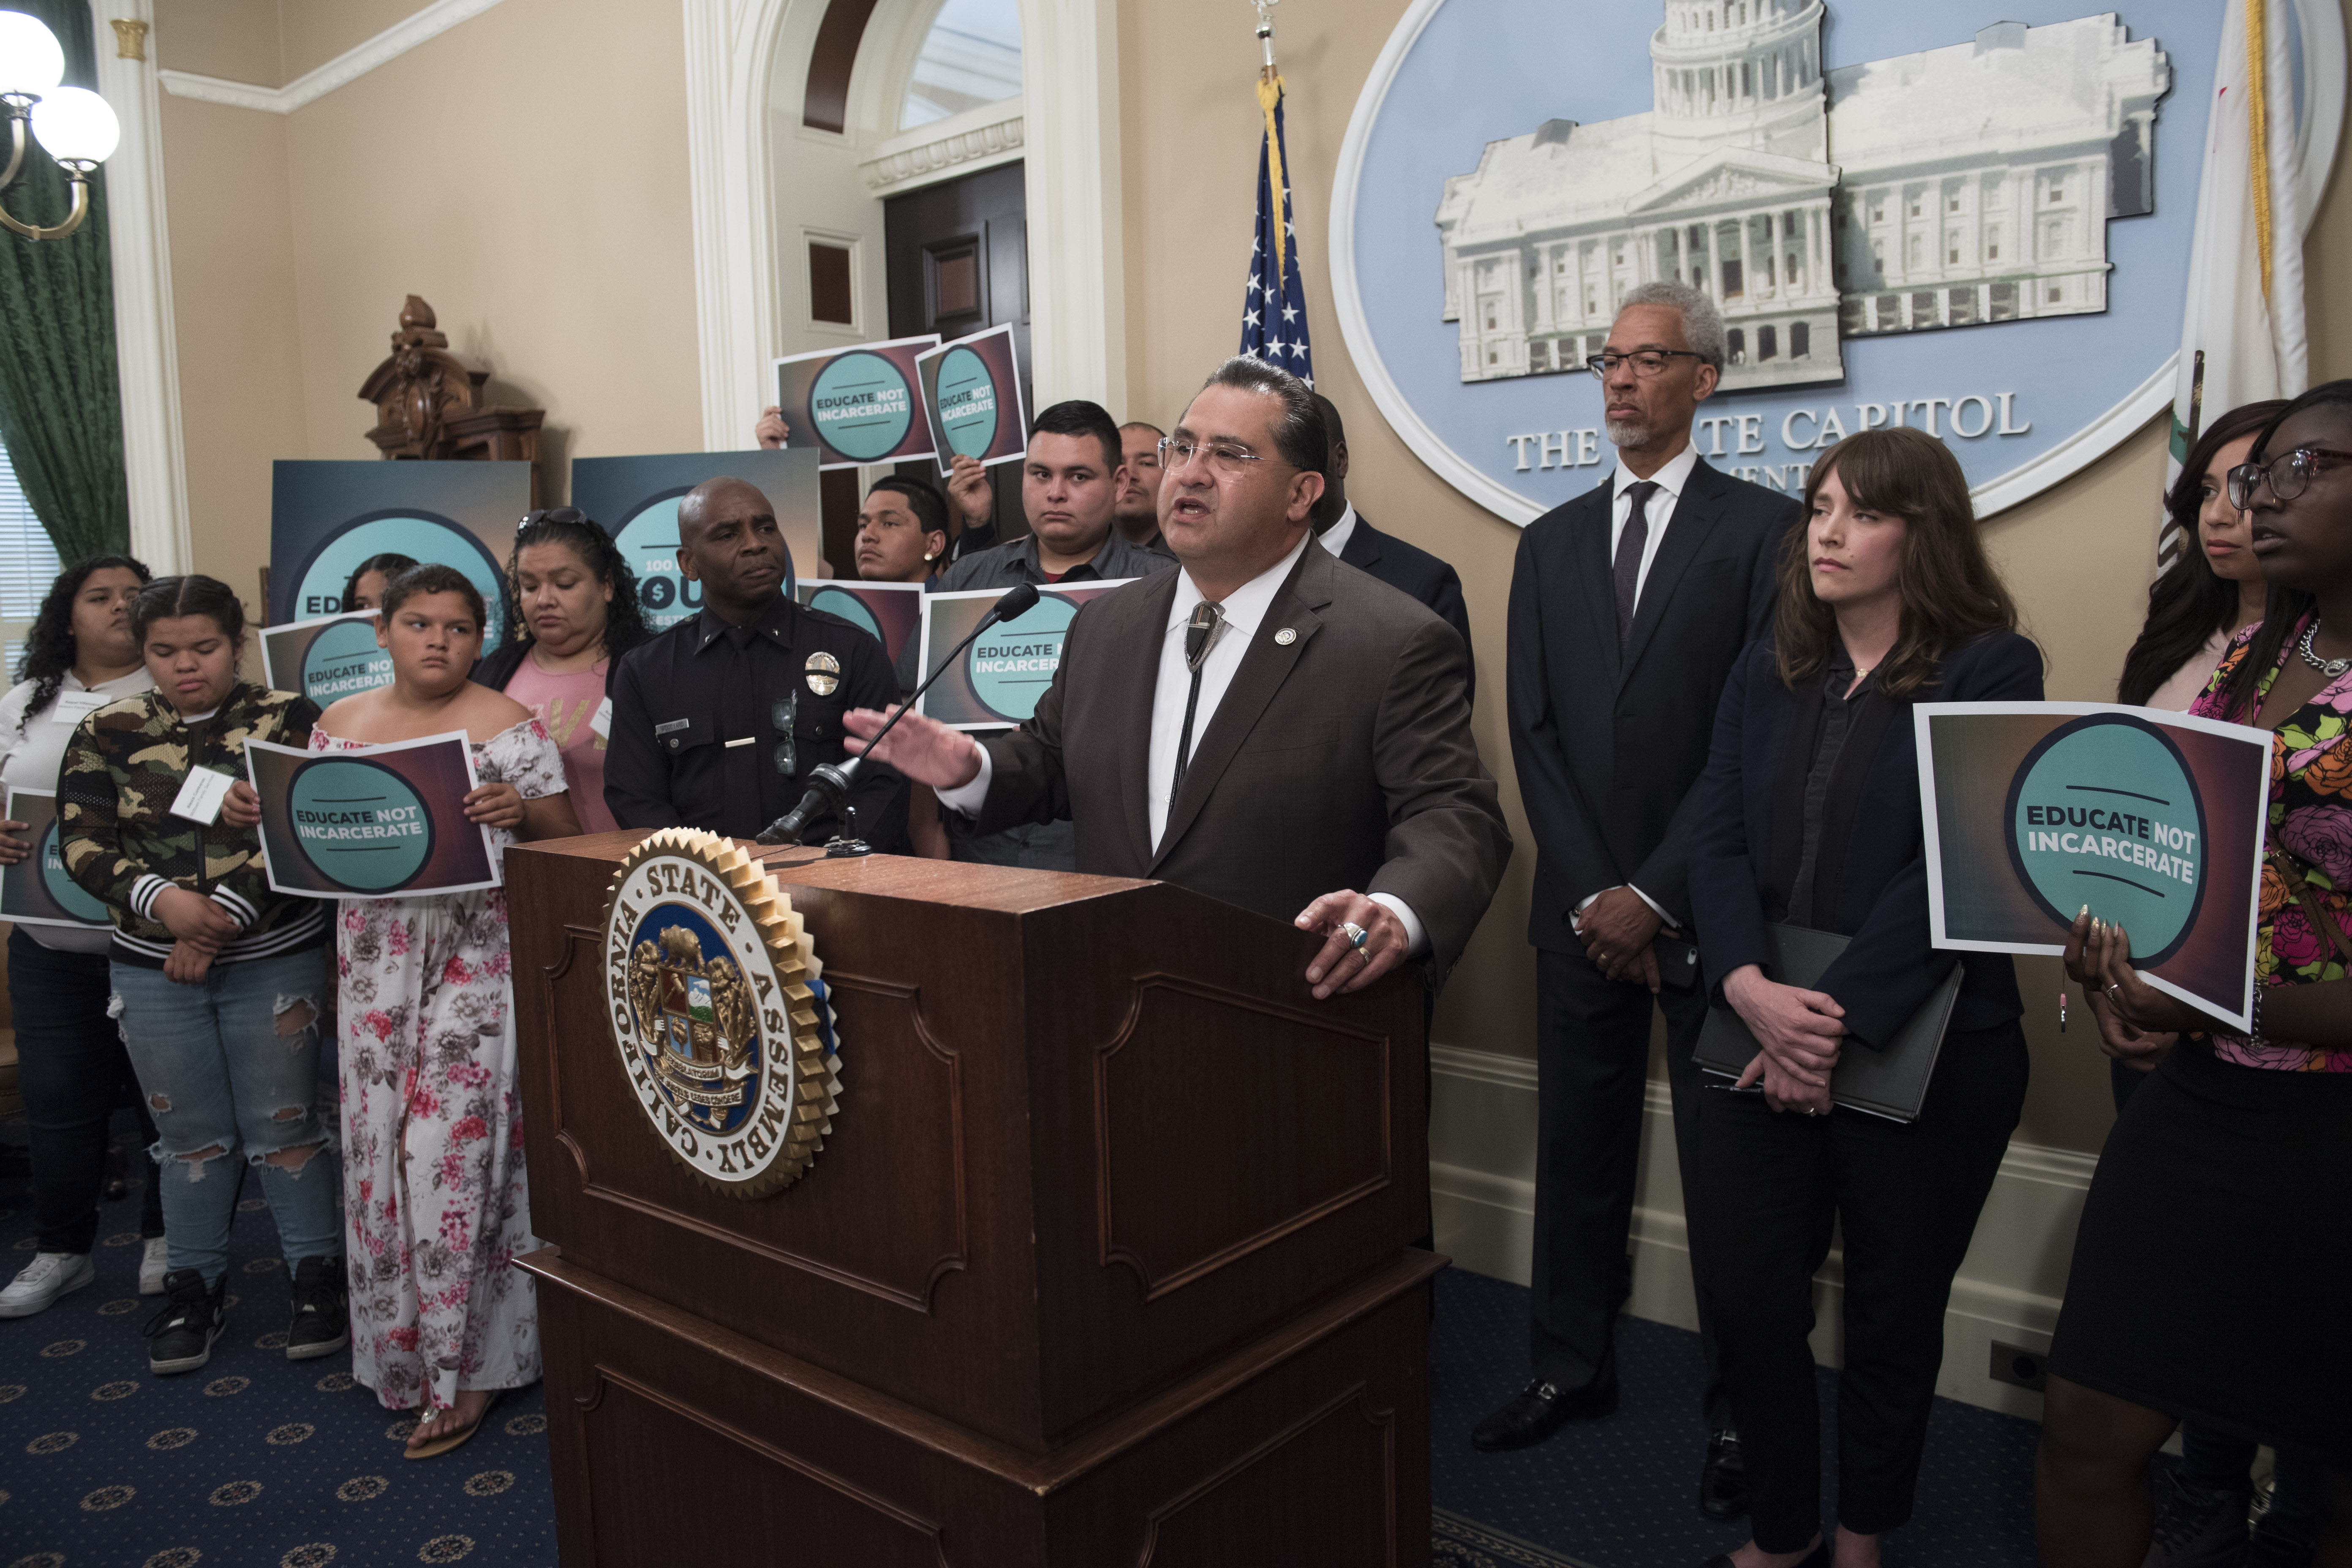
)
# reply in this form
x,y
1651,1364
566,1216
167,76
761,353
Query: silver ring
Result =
x,y
1355,934
2114,987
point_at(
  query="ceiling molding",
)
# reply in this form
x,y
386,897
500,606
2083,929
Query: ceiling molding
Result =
x,y
351,65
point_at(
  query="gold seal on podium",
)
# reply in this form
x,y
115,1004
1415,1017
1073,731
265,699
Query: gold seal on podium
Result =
x,y
715,995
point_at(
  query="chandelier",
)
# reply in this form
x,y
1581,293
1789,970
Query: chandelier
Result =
x,y
73,124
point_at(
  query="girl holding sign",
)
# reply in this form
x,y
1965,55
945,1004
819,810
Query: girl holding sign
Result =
x,y
69,1058
2214,1256
217,982
436,1200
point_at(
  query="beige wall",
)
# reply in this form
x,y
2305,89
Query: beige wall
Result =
x,y
2077,556
526,173
547,223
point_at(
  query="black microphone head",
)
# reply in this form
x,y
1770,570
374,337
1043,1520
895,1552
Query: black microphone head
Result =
x,y
1017,602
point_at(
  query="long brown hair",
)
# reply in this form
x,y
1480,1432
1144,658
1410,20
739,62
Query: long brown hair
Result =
x,y
1951,592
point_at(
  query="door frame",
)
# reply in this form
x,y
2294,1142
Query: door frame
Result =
x,y
738,51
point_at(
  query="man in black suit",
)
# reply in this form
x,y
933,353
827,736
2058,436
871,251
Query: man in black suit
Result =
x,y
1629,605
1350,535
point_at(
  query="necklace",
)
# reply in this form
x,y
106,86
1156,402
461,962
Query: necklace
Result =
x,y
2330,668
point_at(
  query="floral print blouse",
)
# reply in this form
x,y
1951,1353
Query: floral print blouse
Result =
x,y
2310,819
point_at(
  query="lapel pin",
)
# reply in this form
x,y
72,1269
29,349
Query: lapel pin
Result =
x,y
1286,636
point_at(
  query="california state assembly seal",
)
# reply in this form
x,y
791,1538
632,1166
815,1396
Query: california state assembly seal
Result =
x,y
708,977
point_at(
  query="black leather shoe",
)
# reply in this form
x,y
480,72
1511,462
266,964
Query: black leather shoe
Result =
x,y
1538,1411
1723,1483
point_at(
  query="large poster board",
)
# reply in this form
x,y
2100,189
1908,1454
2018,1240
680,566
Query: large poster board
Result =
x,y
2154,820
325,518
326,659
636,501
1001,677
971,396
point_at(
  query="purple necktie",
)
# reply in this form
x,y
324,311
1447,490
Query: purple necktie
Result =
x,y
1630,545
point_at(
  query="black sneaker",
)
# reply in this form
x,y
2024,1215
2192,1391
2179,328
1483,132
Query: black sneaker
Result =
x,y
2197,1526
321,1324
179,1337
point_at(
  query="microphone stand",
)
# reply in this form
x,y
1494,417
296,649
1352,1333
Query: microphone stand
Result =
x,y
829,784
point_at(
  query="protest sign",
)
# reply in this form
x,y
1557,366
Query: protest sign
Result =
x,y
856,405
36,890
1000,678
2153,819
377,822
636,501
325,518
330,658
971,396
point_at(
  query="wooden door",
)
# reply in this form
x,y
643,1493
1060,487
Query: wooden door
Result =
x,y
958,258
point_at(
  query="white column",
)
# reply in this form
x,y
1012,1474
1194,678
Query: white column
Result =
x,y
1077,264
146,351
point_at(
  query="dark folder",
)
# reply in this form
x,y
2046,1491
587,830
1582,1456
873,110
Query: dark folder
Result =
x,y
1891,1082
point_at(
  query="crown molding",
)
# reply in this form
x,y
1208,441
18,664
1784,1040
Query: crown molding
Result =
x,y
946,149
351,65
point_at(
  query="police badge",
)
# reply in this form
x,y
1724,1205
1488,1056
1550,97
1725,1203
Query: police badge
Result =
x,y
707,980
822,672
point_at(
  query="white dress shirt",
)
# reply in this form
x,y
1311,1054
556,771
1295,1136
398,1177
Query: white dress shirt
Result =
x,y
1245,609
1335,537
1659,512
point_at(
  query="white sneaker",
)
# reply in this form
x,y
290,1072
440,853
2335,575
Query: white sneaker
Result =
x,y
153,1265
49,1276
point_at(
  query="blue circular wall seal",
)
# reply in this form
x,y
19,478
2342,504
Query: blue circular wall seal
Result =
x,y
2106,812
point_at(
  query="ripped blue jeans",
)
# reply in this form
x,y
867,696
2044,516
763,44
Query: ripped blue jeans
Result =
x,y
229,1068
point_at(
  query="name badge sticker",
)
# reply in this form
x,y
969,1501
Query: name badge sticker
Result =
x,y
200,798
73,707
601,726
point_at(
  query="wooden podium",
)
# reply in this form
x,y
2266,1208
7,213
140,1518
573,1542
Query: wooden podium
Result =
x,y
1104,1259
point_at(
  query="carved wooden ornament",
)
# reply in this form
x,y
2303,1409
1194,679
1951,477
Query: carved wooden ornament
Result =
x,y
707,983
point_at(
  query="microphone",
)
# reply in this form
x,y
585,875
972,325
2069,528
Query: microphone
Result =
x,y
829,784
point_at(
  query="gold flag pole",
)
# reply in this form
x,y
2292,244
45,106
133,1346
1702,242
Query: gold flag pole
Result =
x,y
1269,94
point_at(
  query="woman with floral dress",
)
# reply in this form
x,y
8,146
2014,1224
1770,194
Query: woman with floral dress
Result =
x,y
2214,1256
435,1196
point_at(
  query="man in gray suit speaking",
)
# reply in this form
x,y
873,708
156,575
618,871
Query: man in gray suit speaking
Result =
x,y
1266,725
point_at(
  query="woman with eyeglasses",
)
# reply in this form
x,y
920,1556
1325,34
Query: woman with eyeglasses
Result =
x,y
2214,1258
572,612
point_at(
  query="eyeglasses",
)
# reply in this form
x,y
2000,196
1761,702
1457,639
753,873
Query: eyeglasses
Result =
x,y
2287,475
555,514
1228,460
1646,361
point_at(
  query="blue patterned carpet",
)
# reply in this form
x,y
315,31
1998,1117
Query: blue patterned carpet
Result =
x,y
260,1461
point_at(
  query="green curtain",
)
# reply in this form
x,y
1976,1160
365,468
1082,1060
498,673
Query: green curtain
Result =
x,y
60,403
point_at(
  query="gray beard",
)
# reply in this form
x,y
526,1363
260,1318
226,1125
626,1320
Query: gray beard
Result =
x,y
1622,433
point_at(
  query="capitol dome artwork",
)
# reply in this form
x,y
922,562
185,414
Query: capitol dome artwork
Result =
x,y
1957,185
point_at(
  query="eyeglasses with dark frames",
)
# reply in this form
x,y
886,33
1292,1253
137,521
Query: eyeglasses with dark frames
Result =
x,y
2288,474
1646,361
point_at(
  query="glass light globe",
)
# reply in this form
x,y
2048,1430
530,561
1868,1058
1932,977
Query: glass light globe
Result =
x,y
31,63
76,126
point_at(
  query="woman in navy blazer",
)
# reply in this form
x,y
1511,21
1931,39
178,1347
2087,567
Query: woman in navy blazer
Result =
x,y
1808,814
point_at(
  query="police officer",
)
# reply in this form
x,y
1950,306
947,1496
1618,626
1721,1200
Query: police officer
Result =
x,y
718,722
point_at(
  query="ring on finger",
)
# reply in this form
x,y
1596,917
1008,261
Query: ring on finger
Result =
x,y
1355,934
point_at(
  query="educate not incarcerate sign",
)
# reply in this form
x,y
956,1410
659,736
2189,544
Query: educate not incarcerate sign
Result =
x,y
1001,677
856,405
2153,820
378,822
326,659
37,890
971,396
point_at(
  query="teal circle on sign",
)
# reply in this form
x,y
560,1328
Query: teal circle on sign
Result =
x,y
360,824
862,405
2106,812
648,542
1012,664
344,659
967,403
70,895
422,538
849,607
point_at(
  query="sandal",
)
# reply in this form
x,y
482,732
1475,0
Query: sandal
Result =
x,y
442,1445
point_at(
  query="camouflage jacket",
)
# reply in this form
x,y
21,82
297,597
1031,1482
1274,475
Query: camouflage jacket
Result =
x,y
124,767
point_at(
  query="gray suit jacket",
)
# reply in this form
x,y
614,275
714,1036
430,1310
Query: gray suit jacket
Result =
x,y
1340,759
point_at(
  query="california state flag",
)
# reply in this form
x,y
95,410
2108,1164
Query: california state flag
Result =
x,y
2243,324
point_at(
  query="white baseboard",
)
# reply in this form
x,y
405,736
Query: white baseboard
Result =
x,y
1482,1151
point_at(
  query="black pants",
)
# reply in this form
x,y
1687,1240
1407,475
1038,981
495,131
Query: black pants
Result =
x,y
1592,1067
1770,1187
74,1072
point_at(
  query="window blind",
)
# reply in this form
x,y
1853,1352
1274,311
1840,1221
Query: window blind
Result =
x,y
28,561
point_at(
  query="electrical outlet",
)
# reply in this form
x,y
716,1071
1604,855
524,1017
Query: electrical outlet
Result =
x,y
2018,1366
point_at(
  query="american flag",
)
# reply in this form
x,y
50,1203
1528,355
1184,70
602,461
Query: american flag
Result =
x,y
1274,308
